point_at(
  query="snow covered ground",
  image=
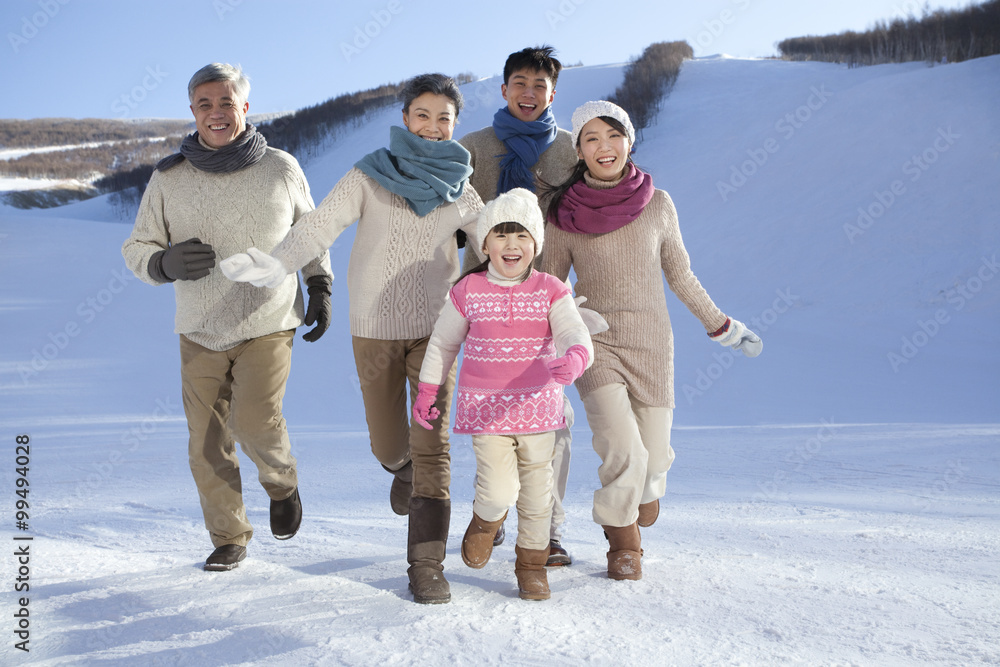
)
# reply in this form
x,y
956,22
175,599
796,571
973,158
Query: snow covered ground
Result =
x,y
830,504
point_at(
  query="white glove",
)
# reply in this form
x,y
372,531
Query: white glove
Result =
x,y
254,267
595,323
740,338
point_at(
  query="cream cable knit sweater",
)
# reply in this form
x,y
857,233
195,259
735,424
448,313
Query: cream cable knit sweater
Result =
x,y
255,206
620,274
401,265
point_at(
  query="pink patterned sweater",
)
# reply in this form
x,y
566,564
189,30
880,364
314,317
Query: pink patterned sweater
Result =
x,y
511,331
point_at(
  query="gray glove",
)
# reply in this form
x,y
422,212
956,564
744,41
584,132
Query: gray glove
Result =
x,y
187,260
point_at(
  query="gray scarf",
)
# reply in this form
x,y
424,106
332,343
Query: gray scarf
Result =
x,y
244,151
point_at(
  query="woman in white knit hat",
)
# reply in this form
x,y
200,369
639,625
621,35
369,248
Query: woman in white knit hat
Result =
x,y
524,339
621,237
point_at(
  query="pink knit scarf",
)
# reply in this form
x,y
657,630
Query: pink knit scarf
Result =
x,y
587,210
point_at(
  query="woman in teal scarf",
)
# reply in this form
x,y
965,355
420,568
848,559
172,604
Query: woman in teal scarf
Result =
x,y
409,200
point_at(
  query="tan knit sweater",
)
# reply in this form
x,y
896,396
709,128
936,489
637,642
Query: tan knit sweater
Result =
x,y
401,265
255,206
554,166
620,274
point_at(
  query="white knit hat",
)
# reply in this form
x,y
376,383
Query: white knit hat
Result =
x,y
588,111
517,205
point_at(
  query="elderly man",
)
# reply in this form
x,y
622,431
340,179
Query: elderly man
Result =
x,y
223,192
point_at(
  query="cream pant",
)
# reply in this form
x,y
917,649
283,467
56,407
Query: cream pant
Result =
x,y
516,469
633,441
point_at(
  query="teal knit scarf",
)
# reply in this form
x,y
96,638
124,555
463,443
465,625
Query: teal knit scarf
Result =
x,y
424,173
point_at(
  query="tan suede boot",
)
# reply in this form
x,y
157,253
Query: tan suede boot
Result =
x,y
477,545
425,549
625,552
648,513
532,582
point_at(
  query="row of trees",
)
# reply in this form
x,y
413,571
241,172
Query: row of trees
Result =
x,y
306,131
939,36
37,132
91,162
649,79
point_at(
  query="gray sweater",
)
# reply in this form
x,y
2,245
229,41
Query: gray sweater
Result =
x,y
554,166
255,206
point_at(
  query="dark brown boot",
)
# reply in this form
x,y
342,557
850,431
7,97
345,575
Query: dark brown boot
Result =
x,y
532,583
425,549
401,489
648,512
625,552
477,545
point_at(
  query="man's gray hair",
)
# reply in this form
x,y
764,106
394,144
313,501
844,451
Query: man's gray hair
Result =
x,y
221,72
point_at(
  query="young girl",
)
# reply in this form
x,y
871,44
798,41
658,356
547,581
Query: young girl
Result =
x,y
621,237
408,201
524,339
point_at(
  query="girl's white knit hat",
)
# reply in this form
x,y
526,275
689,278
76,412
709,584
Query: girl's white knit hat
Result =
x,y
588,111
517,205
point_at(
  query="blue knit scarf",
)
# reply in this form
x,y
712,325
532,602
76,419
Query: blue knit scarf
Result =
x,y
424,173
525,142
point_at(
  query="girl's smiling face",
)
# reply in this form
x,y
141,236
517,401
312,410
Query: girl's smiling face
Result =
x,y
510,252
604,149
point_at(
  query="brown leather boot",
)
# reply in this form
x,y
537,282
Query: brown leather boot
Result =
x,y
532,582
625,552
401,489
648,512
425,549
477,545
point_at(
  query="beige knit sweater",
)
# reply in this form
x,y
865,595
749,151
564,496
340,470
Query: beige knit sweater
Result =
x,y
255,206
620,274
554,166
401,265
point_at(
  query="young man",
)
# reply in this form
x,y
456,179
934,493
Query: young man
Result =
x,y
225,191
525,145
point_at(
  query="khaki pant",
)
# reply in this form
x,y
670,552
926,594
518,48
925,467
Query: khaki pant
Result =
x,y
384,369
516,468
633,441
235,396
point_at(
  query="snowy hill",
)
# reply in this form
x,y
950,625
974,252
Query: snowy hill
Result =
x,y
835,500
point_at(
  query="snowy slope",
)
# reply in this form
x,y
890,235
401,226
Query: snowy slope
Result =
x,y
825,508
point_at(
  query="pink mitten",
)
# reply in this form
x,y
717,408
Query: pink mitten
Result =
x,y
567,368
423,407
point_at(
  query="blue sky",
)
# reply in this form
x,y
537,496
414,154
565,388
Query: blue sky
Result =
x,y
118,59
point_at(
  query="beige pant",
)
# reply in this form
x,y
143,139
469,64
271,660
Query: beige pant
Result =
x,y
384,369
516,469
235,396
560,472
633,441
